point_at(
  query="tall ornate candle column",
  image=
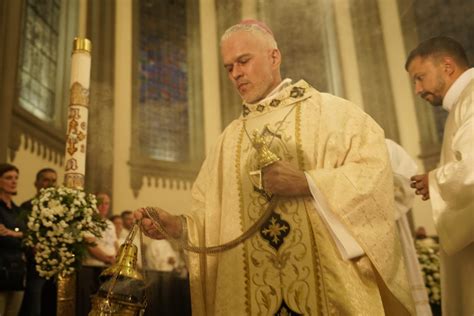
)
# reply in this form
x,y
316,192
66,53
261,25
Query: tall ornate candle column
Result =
x,y
75,157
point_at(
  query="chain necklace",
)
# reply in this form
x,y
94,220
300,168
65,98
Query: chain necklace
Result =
x,y
184,243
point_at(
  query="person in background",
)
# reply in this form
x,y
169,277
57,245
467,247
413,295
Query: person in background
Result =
x,y
420,232
403,167
128,221
12,261
97,258
34,300
161,256
442,76
168,270
118,223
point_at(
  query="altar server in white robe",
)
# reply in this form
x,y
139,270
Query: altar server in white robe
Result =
x,y
440,71
403,167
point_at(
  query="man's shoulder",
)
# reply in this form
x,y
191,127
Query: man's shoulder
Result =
x,y
334,105
27,204
468,91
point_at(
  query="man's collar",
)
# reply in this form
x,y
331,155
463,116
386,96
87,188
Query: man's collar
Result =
x,y
456,89
283,95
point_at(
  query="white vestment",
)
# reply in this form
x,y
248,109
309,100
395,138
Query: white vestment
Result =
x,y
292,264
403,167
451,188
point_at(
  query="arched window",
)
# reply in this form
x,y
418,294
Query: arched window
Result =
x,y
167,132
47,30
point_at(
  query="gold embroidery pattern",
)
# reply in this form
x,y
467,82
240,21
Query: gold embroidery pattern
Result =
x,y
297,92
275,231
245,110
320,287
274,103
242,222
285,310
283,276
287,268
79,95
298,140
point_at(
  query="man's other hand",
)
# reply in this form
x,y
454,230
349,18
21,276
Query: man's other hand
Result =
x,y
421,185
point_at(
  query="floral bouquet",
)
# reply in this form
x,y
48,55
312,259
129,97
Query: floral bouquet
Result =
x,y
428,256
60,219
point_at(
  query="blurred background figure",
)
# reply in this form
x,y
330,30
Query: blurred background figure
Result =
x,y
128,220
161,256
40,293
170,288
12,262
420,233
404,167
97,258
118,223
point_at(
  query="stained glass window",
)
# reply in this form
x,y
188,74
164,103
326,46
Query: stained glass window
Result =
x,y
163,112
38,58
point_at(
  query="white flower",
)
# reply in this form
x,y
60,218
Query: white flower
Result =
x,y
429,262
56,226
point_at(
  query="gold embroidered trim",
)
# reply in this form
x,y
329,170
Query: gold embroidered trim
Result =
x,y
298,140
238,157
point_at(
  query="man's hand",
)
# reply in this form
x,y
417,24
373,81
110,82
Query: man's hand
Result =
x,y
281,178
171,223
421,185
108,259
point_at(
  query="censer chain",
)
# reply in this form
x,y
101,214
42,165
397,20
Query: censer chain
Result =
x,y
153,215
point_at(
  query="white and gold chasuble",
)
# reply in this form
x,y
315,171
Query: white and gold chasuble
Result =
x,y
291,266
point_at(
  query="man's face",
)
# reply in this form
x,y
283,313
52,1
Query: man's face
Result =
x,y
118,224
429,79
128,221
103,205
8,182
46,179
251,65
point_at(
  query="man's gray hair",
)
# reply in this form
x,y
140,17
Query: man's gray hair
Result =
x,y
251,28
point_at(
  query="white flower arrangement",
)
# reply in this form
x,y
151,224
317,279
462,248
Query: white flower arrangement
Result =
x,y
428,255
60,219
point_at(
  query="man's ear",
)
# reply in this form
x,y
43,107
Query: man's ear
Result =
x,y
449,65
276,57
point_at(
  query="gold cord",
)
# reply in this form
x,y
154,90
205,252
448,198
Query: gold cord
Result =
x,y
184,243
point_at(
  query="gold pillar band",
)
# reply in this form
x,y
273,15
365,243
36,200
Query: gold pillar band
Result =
x,y
82,44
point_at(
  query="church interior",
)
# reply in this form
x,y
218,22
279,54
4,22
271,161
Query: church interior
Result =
x,y
160,96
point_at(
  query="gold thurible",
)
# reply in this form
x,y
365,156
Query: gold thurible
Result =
x,y
122,292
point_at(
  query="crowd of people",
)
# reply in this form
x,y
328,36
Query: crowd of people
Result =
x,y
28,294
336,193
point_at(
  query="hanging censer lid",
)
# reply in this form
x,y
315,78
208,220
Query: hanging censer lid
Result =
x,y
122,290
